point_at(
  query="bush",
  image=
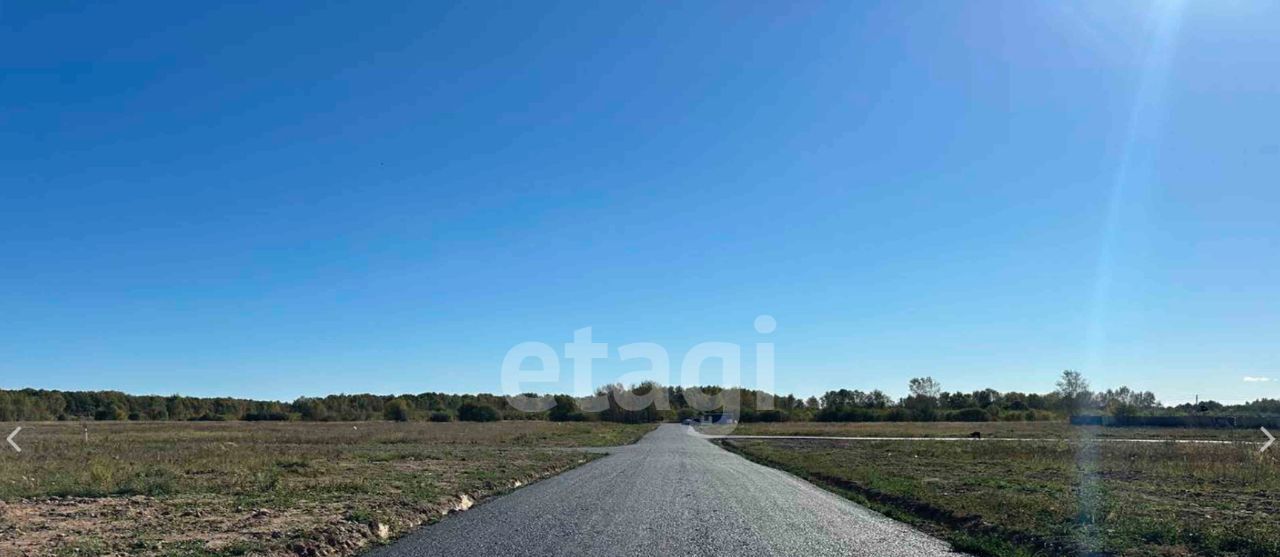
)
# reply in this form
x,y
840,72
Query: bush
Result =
x,y
565,410
441,417
396,411
472,412
110,413
1124,411
970,415
849,414
572,417
1040,416
1013,417
929,414
897,415
772,416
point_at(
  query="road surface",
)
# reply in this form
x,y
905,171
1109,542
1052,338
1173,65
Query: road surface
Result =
x,y
670,494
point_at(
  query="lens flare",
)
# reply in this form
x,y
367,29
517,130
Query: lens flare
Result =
x,y
1134,175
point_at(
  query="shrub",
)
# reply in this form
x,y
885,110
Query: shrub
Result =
x,y
472,412
110,413
396,411
897,415
1124,411
929,414
565,410
573,417
441,417
772,416
970,415
828,415
850,414
1013,417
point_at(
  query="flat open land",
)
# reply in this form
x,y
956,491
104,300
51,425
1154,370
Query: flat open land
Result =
x,y
1072,495
998,430
234,488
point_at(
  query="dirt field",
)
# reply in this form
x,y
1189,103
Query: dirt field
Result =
x,y
237,488
1065,497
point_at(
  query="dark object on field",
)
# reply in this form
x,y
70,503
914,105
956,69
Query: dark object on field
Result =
x,y
975,435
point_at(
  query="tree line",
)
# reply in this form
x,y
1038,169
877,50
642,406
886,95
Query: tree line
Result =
x,y
644,403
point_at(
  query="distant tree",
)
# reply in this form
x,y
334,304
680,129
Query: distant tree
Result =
x,y
1126,401
1016,401
177,408
923,401
397,411
772,416
565,410
924,387
1203,406
472,412
956,400
790,402
1036,401
1074,391
897,415
986,397
311,409
1123,411
111,412
1268,406
877,399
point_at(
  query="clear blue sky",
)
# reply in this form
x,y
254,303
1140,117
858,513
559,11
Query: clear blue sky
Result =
x,y
300,198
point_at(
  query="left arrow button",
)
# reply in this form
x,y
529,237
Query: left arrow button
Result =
x,y
10,439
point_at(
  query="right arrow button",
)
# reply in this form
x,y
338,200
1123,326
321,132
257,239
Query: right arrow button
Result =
x,y
1270,439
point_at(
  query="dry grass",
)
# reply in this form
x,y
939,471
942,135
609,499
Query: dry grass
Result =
x,y
237,488
1064,497
1034,430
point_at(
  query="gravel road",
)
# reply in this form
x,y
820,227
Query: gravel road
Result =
x,y
673,493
